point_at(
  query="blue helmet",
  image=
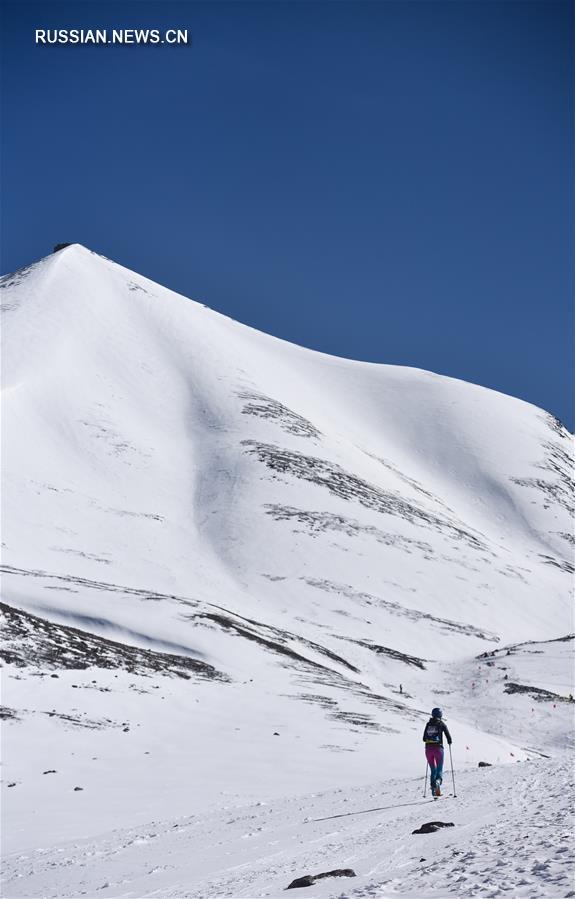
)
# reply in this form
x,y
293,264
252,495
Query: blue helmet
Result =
x,y
437,713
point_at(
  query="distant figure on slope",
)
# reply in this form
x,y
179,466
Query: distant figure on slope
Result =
x,y
433,739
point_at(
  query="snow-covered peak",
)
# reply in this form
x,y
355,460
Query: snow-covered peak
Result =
x,y
250,462
259,555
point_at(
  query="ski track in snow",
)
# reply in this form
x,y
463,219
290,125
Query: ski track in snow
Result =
x,y
513,836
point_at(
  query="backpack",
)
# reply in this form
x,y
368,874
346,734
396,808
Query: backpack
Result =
x,y
432,733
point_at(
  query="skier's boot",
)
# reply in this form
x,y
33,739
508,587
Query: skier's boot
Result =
x,y
437,791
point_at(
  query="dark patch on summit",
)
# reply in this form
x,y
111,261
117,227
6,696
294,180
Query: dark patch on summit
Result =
x,y
309,879
433,826
60,246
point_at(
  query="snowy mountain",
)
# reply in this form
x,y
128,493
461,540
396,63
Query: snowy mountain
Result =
x,y
236,569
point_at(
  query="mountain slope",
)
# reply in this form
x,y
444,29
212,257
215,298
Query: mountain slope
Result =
x,y
313,531
182,450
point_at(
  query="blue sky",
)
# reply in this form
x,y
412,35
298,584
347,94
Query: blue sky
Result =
x,y
389,181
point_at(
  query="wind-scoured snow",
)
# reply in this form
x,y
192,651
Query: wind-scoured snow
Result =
x,y
237,571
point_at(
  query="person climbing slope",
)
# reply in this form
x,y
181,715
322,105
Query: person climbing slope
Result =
x,y
433,739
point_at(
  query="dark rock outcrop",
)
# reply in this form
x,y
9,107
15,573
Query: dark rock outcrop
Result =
x,y
537,693
484,765
432,826
309,879
306,881
31,641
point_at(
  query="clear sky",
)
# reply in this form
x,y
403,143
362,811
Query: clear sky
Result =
x,y
389,181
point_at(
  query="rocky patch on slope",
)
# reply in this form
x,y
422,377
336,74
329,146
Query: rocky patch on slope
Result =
x,y
30,641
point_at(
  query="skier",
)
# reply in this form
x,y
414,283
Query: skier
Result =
x,y
433,739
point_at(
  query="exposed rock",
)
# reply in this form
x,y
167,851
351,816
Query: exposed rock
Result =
x,y
537,693
348,486
61,246
309,879
396,608
484,765
392,654
432,826
306,881
265,407
272,638
31,641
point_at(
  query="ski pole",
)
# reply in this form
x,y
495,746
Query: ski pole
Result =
x,y
452,772
425,781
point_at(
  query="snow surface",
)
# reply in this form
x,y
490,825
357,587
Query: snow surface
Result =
x,y
223,554
513,836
